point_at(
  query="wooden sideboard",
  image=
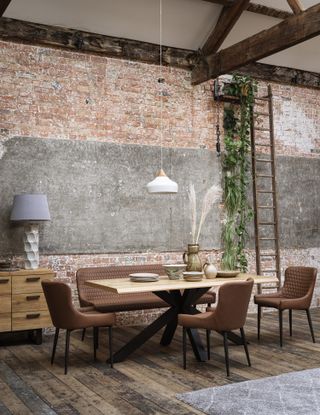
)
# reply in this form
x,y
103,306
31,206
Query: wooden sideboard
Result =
x,y
23,306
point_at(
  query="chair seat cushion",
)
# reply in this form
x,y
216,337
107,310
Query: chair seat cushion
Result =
x,y
267,301
281,302
197,321
95,319
88,309
139,301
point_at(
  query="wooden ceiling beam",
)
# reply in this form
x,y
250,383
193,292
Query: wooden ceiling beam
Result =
x,y
288,33
82,42
295,6
281,74
268,11
256,8
227,19
3,6
79,41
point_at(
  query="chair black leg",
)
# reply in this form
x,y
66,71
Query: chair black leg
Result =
x,y
184,347
310,325
280,327
245,345
110,346
290,322
226,351
83,334
208,332
209,305
259,320
95,341
97,345
66,354
56,336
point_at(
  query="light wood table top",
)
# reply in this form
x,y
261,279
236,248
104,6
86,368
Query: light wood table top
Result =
x,y
125,286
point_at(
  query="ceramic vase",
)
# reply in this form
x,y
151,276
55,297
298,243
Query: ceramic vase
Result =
x,y
192,259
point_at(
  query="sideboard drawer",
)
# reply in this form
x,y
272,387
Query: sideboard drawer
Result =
x,y
31,320
5,304
28,302
29,284
5,285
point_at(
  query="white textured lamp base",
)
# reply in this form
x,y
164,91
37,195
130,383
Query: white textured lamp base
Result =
x,y
31,246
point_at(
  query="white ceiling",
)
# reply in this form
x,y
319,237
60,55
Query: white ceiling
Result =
x,y
186,23
283,4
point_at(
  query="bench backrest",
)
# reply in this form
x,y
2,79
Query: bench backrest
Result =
x,y
88,294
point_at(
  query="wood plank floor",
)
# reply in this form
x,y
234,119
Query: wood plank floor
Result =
x,y
147,382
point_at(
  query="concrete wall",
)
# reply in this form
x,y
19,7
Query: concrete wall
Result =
x,y
85,130
98,198
99,203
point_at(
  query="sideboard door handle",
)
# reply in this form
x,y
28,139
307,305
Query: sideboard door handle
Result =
x,y
4,280
32,297
33,315
32,279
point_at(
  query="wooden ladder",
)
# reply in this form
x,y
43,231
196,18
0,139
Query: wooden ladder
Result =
x,y
264,187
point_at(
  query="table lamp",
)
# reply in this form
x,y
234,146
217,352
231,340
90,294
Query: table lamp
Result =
x,y
30,209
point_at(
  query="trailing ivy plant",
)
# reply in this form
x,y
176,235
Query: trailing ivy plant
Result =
x,y
236,171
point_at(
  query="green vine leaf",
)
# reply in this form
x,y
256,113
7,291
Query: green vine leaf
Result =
x,y
236,165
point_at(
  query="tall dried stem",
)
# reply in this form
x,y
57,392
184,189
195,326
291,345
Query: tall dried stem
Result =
x,y
211,197
193,211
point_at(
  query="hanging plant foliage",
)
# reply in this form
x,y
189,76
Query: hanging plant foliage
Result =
x,y
236,166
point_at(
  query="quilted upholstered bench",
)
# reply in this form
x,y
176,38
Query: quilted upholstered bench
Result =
x,y
104,301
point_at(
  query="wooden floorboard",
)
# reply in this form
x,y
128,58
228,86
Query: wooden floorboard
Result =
x,y
147,382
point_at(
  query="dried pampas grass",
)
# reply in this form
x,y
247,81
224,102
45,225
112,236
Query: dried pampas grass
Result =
x,y
193,211
212,196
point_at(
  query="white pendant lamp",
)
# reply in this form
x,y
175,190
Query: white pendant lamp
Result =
x,y
161,184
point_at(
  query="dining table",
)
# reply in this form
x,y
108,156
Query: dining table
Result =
x,y
180,295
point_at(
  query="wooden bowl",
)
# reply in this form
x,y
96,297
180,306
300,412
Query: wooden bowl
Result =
x,y
193,276
174,271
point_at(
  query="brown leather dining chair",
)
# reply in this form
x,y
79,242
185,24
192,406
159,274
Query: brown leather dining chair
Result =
x,y
65,316
229,314
296,294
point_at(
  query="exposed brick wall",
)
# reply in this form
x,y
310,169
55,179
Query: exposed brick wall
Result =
x,y
296,119
66,95
63,95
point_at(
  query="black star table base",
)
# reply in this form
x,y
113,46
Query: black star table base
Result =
x,y
178,303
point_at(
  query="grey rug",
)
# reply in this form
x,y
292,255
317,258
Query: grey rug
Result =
x,y
295,393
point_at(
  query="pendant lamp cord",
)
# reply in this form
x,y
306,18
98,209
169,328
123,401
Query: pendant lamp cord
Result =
x,y
161,81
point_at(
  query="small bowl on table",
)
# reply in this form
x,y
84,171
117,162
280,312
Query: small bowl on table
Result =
x,y
228,273
174,271
193,276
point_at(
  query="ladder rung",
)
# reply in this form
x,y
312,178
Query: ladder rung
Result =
x,y
268,255
259,104
266,223
264,160
266,207
270,288
262,113
263,145
262,98
265,191
269,270
262,129
265,175
267,239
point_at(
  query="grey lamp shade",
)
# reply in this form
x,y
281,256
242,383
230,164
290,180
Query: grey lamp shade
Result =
x,y
30,208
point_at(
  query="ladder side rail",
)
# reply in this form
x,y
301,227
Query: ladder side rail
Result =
x,y
254,193
274,185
